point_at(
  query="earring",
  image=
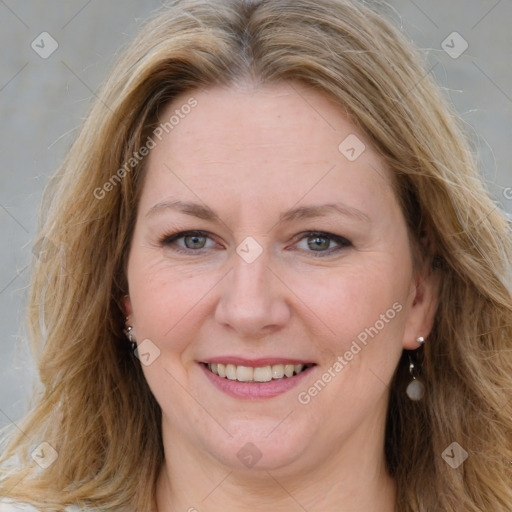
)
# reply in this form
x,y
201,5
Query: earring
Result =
x,y
415,389
420,340
128,333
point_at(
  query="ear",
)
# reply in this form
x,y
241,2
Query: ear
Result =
x,y
424,299
127,306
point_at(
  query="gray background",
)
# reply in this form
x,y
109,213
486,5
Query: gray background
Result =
x,y
42,103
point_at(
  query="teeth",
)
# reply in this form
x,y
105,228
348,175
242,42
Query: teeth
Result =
x,y
231,371
278,371
289,369
244,373
263,374
258,374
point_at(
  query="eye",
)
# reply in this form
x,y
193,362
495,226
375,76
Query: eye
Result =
x,y
321,243
316,242
191,241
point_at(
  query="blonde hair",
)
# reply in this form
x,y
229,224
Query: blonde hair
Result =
x,y
95,407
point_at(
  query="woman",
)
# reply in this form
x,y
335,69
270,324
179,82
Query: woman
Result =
x,y
272,279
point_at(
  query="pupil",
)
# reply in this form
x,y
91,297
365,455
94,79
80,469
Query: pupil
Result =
x,y
321,242
196,240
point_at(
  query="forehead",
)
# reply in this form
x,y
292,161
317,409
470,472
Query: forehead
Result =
x,y
275,142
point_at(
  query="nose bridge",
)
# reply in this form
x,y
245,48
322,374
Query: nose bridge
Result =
x,y
251,300
249,276
250,287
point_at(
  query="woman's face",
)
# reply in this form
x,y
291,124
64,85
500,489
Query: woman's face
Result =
x,y
299,255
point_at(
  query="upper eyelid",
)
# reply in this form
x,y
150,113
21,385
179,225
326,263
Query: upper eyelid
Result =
x,y
183,234
320,234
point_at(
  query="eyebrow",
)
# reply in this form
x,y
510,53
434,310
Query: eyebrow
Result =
x,y
301,212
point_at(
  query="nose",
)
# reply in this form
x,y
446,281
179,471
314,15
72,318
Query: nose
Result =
x,y
253,300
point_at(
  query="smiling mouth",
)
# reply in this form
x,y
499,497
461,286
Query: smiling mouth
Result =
x,y
257,374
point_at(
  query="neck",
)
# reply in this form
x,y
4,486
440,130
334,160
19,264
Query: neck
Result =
x,y
348,479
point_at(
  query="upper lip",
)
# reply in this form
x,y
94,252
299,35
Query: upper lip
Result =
x,y
262,361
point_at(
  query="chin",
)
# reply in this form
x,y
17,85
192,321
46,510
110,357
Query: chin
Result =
x,y
259,445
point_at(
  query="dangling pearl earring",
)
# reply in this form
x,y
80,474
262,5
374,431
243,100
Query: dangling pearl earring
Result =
x,y
415,389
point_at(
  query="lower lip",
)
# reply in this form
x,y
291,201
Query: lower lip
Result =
x,y
255,390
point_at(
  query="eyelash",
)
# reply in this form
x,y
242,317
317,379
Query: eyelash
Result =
x,y
343,242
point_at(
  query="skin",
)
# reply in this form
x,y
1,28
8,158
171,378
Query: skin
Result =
x,y
250,153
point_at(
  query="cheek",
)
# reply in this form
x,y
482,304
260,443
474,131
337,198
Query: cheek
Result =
x,y
350,299
166,297
362,314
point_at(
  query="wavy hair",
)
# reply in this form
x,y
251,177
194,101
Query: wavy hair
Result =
x,y
94,406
